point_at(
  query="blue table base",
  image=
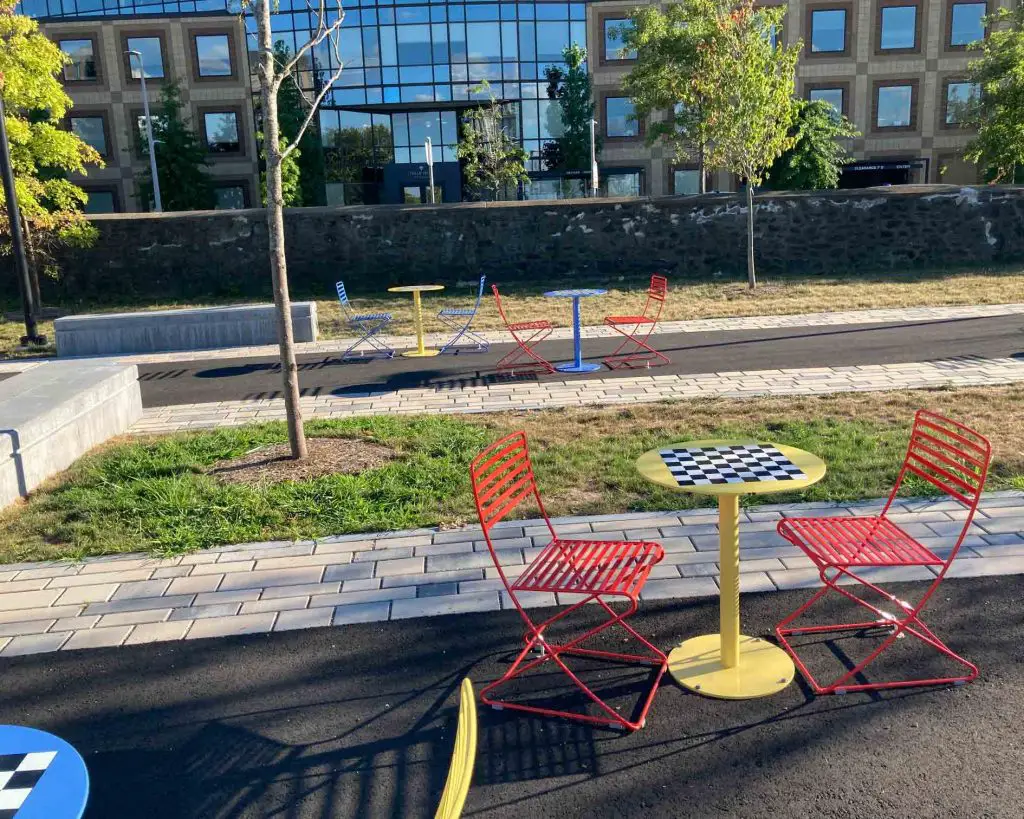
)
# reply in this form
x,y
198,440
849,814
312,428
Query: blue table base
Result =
x,y
577,365
573,367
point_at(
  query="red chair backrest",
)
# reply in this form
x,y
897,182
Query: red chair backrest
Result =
x,y
951,457
497,300
656,294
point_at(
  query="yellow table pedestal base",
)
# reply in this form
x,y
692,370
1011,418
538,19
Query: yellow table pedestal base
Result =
x,y
420,353
763,668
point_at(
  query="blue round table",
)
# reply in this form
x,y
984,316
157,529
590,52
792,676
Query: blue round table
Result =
x,y
41,776
577,365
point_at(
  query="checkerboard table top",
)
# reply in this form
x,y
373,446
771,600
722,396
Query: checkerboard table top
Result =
x,y
41,776
730,467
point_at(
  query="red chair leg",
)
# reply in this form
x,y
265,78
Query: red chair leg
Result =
x,y
552,652
642,354
909,623
524,350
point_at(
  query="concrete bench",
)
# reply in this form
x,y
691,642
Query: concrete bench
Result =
x,y
54,413
159,331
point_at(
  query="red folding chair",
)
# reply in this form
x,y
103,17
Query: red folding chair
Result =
x,y
502,477
949,456
637,331
538,331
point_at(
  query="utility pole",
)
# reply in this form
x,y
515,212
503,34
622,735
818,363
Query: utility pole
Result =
x,y
157,203
428,149
17,239
593,158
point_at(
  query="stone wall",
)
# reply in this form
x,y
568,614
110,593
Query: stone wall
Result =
x,y
189,256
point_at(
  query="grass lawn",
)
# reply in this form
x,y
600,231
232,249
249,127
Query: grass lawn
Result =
x,y
687,300
152,495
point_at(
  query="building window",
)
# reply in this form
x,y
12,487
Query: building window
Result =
x,y
614,48
213,55
959,96
898,28
152,57
623,183
619,118
833,96
229,197
895,106
82,67
222,132
828,31
91,131
100,202
685,181
967,23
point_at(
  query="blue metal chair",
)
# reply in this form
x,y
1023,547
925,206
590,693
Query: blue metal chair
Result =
x,y
459,319
368,325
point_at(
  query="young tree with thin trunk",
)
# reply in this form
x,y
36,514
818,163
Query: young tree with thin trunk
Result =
x,y
272,75
572,88
747,90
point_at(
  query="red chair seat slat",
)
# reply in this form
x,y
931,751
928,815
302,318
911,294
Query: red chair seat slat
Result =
x,y
530,325
628,320
591,567
856,541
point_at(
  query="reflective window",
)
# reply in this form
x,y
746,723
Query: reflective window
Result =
x,y
100,202
90,130
828,31
619,118
222,131
613,46
895,105
83,62
229,197
833,96
414,45
213,55
484,41
958,97
899,27
967,23
151,56
686,181
552,38
623,183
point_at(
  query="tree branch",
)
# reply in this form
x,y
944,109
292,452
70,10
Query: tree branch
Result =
x,y
322,31
315,104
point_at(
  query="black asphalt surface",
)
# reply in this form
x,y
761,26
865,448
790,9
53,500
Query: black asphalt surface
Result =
x,y
844,345
358,721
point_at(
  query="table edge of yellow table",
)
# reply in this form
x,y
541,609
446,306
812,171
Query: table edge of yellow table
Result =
x,y
763,668
415,288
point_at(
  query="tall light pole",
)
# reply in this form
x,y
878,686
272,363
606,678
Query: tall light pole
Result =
x,y
157,203
428,149
17,240
593,158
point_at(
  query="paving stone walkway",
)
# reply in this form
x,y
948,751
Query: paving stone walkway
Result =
x,y
967,371
262,587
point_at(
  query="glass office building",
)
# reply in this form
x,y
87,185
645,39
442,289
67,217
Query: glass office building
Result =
x,y
410,70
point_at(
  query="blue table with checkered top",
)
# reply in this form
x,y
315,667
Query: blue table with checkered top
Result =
x,y
577,365
41,776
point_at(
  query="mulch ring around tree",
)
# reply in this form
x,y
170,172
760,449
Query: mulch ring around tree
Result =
x,y
327,456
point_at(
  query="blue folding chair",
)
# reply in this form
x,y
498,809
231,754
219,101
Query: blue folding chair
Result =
x,y
459,319
368,325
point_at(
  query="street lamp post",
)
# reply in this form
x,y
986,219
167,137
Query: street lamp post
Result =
x,y
157,203
428,149
17,240
593,158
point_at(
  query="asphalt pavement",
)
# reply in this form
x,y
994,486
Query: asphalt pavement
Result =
x,y
358,721
722,351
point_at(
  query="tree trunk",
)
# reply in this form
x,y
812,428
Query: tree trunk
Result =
x,y
751,276
275,233
33,266
703,182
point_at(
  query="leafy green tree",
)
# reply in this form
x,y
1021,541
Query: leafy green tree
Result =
x,y
818,153
493,160
571,87
998,111
43,153
675,48
181,159
747,93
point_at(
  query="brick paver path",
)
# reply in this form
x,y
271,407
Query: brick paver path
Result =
x,y
260,587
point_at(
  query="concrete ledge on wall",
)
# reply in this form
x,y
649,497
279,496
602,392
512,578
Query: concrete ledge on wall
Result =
x,y
52,414
158,331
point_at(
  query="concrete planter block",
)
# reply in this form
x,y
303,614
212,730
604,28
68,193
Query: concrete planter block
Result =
x,y
157,331
52,414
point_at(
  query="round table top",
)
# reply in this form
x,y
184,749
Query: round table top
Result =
x,y
48,774
577,293
651,465
415,288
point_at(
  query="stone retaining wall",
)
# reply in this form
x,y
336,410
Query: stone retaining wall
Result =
x,y
224,254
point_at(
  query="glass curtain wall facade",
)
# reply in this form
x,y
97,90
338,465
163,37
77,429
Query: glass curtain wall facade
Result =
x,y
410,69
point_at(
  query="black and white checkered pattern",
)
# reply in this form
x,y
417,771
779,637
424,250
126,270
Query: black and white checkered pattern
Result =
x,y
740,463
19,774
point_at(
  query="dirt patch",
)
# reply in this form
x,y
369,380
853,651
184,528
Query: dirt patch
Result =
x,y
327,456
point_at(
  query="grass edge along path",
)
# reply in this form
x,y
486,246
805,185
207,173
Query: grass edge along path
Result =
x,y
151,494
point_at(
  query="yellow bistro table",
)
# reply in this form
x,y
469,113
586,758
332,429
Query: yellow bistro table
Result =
x,y
729,665
417,316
